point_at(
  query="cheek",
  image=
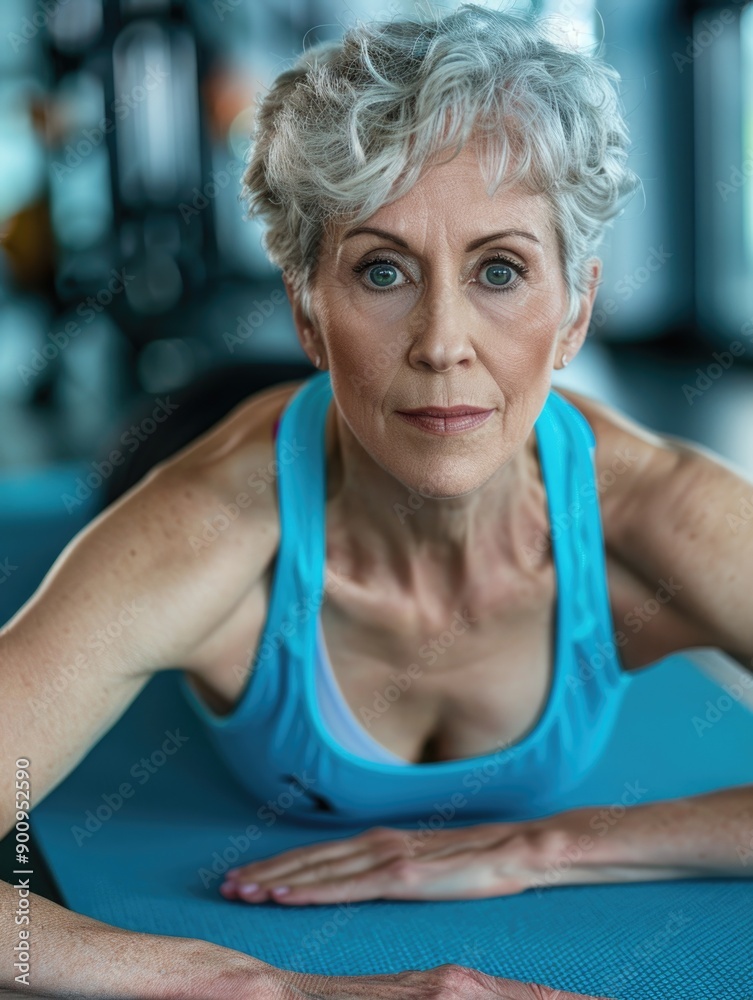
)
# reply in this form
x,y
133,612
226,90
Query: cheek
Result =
x,y
365,360
521,366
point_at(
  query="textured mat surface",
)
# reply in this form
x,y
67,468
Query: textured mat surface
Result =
x,y
155,863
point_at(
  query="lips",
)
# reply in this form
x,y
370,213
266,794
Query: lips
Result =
x,y
449,411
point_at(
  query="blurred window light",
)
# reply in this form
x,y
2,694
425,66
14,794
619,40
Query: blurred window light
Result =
x,y
157,113
81,209
131,7
722,63
21,24
23,322
79,166
746,39
75,24
169,363
22,154
364,10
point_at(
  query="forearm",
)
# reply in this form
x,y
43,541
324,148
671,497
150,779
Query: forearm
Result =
x,y
73,956
699,836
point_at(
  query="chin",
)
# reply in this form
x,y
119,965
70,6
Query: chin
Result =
x,y
442,483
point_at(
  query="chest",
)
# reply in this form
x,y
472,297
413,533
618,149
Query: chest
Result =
x,y
456,684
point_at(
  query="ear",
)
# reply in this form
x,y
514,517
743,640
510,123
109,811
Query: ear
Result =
x,y
307,331
572,338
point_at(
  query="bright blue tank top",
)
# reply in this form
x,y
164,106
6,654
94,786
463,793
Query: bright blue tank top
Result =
x,y
275,739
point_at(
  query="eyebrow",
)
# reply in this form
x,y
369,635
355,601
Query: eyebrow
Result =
x,y
473,245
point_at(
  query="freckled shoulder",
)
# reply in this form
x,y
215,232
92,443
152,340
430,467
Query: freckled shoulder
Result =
x,y
241,441
642,460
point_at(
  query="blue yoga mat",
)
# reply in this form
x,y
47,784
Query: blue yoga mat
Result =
x,y
155,863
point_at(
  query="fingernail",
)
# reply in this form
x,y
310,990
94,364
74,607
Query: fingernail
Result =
x,y
280,890
232,871
247,890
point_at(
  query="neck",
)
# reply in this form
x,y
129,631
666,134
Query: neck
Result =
x,y
445,546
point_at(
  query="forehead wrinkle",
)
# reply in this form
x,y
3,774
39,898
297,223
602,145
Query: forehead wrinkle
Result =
x,y
420,196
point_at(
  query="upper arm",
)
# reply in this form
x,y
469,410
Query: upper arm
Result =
x,y
680,513
129,595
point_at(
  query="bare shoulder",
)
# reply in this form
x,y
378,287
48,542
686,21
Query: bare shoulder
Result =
x,y
631,461
243,435
679,512
234,464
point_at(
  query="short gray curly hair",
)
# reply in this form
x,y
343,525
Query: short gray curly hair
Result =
x,y
350,126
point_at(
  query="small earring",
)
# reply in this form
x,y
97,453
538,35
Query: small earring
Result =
x,y
564,360
318,360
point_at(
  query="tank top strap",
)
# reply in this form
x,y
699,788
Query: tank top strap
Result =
x,y
301,490
574,497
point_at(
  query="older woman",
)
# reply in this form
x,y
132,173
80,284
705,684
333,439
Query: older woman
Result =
x,y
434,196
434,192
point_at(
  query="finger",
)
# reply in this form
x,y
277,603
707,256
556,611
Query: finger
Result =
x,y
289,861
327,871
370,884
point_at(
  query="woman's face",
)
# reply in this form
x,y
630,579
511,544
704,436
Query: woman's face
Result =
x,y
464,308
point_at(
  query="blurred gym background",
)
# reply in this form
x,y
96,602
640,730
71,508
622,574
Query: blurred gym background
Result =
x,y
127,270
130,281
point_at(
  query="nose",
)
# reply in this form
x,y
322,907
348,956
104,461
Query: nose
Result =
x,y
440,329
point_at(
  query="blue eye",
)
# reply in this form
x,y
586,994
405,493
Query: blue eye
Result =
x,y
504,275
382,274
499,274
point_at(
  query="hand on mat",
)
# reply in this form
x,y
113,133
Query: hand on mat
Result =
x,y
472,862
447,980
